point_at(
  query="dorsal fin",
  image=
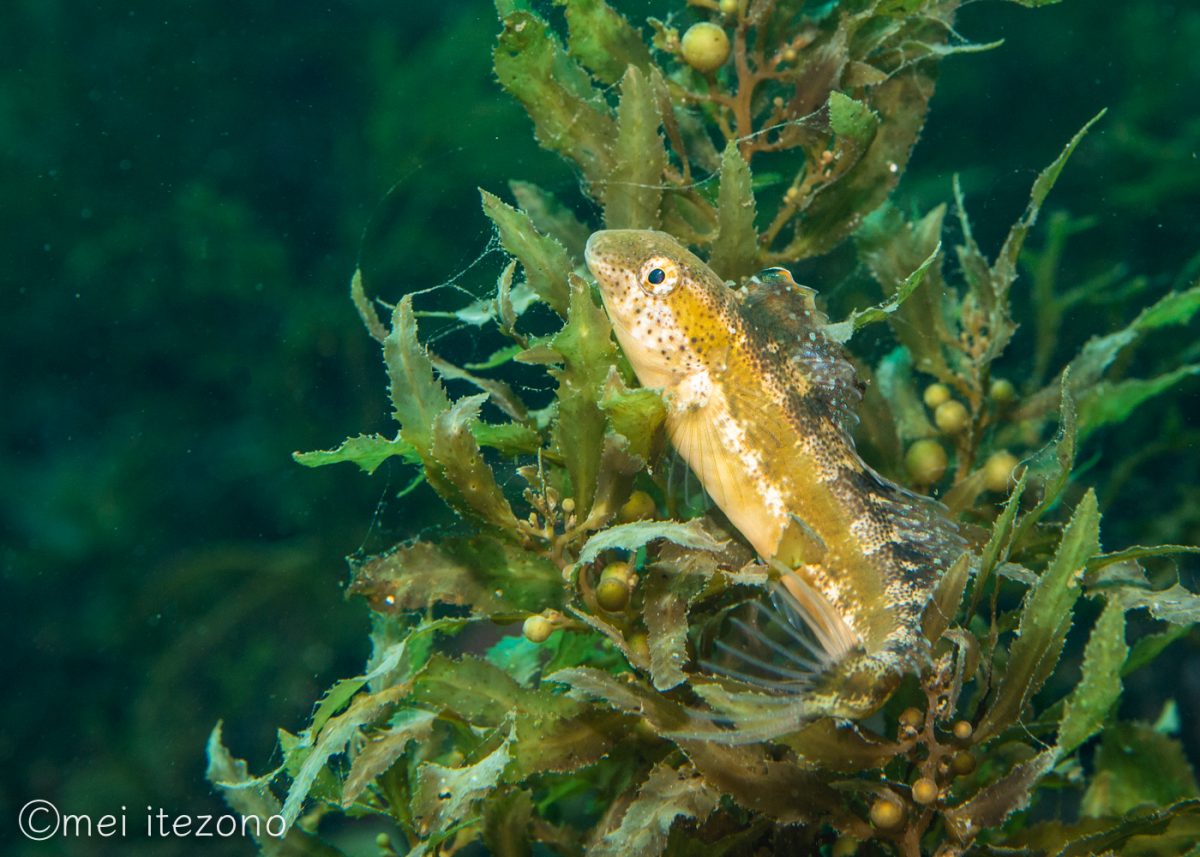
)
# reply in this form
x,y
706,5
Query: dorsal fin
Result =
x,y
783,316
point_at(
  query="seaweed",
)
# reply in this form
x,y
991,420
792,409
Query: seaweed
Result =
x,y
772,134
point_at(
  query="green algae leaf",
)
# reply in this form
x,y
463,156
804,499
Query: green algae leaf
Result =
x,y
1100,685
585,345
382,750
368,451
843,330
544,260
735,249
947,598
618,467
560,740
518,657
370,318
1107,403
1159,823
629,697
892,247
1093,360
445,795
757,780
1000,799
632,193
1148,648
508,818
995,552
252,798
630,537
851,118
637,415
1055,481
895,383
1138,552
499,357
667,796
498,392
551,217
417,395
1004,271
668,592
1175,308
830,745
462,476
1175,604
1045,619
1034,4
838,208
332,739
549,732
603,40
473,689
1137,766
491,577
569,116
511,439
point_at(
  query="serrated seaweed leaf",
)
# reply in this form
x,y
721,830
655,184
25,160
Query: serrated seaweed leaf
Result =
x,y
550,217
382,750
544,260
843,330
252,798
637,415
586,347
1137,766
1175,604
735,249
668,591
1088,367
446,795
632,193
1100,685
333,738
492,577
569,117
368,451
417,395
632,536
1107,403
901,102
756,780
603,40
508,819
461,475
997,801
995,552
1151,646
1045,619
667,796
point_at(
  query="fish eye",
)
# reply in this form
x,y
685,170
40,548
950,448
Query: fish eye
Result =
x,y
659,276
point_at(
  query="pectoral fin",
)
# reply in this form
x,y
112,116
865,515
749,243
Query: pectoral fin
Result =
x,y
799,545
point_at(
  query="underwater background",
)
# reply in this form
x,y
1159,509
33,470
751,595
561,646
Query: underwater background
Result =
x,y
186,191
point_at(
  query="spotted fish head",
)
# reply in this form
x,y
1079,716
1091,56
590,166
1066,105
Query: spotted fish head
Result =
x,y
672,315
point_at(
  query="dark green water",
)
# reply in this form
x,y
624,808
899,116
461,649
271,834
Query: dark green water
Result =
x,y
185,190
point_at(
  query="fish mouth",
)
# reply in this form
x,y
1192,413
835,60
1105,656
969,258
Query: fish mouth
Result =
x,y
594,252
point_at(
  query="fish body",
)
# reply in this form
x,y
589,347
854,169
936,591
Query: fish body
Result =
x,y
761,405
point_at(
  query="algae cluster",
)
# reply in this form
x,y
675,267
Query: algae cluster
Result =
x,y
534,666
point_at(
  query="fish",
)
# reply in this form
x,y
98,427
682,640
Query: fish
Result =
x,y
762,405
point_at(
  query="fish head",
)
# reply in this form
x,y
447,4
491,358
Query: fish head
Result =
x,y
672,314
